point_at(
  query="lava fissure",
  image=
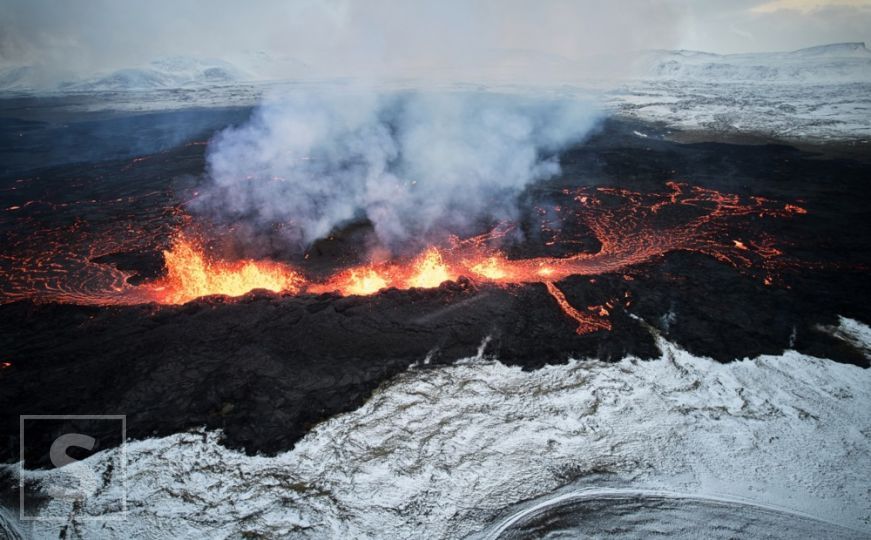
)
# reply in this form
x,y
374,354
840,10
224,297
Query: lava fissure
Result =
x,y
631,228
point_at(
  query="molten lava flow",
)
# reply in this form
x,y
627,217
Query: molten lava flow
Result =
x,y
191,274
630,228
51,254
492,268
429,271
587,322
358,281
426,271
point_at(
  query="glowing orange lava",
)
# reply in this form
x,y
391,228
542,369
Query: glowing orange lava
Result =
x,y
587,322
429,271
191,274
492,268
357,281
631,227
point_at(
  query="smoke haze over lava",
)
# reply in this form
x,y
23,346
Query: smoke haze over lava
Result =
x,y
417,165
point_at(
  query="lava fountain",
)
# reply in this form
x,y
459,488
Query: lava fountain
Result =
x,y
190,274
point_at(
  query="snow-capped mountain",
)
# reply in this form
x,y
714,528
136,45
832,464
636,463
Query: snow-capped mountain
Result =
x,y
826,64
163,73
820,93
839,62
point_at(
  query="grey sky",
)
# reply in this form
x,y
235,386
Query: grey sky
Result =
x,y
381,36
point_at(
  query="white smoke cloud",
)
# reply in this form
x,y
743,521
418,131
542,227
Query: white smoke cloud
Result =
x,y
417,165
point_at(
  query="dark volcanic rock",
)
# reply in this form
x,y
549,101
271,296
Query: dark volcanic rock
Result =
x,y
266,368
145,266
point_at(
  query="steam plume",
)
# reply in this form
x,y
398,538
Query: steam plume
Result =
x,y
416,165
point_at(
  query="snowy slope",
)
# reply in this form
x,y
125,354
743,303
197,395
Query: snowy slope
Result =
x,y
468,449
167,73
821,93
836,63
789,111
816,94
170,72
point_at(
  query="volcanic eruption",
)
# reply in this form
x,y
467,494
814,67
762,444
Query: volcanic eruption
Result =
x,y
489,269
425,173
629,227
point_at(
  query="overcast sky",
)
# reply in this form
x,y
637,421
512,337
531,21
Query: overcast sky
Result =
x,y
338,36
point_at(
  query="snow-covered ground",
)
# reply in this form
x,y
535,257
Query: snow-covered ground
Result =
x,y
463,450
165,73
798,112
817,93
821,93
835,63
171,72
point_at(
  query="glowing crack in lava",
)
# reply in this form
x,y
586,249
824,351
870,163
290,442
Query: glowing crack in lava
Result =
x,y
586,322
630,227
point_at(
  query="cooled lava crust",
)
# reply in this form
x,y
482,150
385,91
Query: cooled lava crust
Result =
x,y
267,367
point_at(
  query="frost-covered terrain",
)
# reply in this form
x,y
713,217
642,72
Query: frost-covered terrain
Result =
x,y
820,93
166,73
835,63
817,93
170,72
810,112
475,448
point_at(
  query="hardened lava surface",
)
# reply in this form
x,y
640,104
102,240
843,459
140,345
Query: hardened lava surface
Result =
x,y
728,250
